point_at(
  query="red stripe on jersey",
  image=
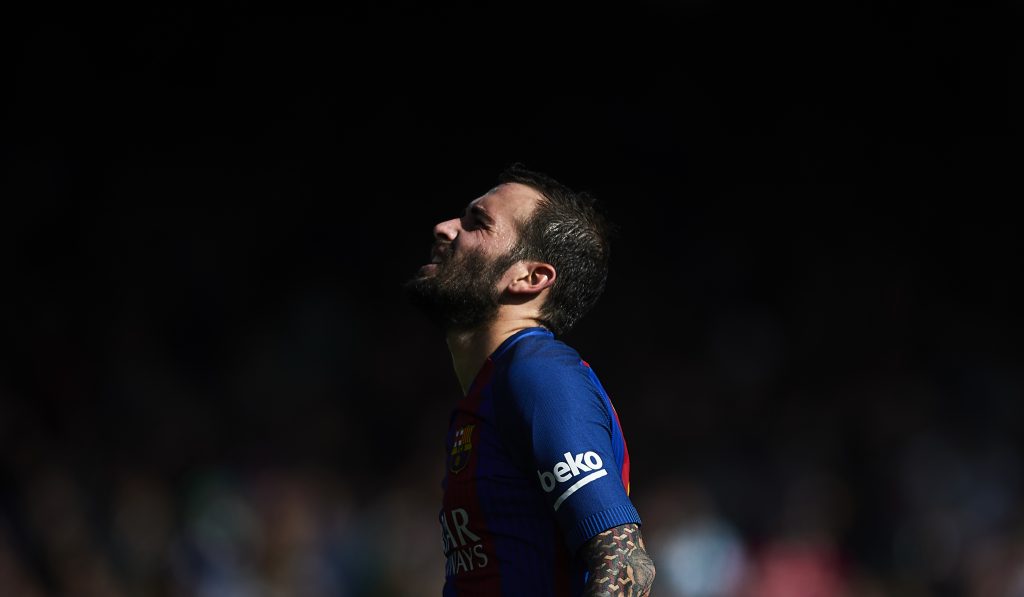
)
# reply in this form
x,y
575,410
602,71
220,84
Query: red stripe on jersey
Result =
x,y
625,452
474,561
625,448
471,401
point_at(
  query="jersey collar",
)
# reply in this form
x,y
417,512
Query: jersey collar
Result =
x,y
516,337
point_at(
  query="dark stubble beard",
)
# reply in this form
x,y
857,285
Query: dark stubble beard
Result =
x,y
462,293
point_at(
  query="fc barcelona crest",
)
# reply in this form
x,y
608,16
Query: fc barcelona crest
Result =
x,y
461,448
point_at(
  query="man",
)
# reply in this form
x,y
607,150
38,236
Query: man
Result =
x,y
536,488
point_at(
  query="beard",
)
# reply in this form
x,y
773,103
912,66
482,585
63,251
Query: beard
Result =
x,y
462,293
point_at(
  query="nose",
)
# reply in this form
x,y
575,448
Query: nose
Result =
x,y
447,230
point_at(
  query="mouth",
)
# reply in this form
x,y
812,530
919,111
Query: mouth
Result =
x,y
438,254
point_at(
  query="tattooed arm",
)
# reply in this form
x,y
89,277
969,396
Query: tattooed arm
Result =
x,y
618,564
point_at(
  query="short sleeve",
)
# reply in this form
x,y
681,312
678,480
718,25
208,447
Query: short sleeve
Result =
x,y
567,423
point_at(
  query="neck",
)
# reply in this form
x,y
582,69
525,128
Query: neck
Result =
x,y
470,348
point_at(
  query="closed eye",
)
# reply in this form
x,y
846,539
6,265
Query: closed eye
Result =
x,y
476,217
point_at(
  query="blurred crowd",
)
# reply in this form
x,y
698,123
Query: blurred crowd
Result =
x,y
225,534
212,386
221,403
897,475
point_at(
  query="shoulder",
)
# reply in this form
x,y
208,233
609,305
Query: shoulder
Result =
x,y
541,354
541,371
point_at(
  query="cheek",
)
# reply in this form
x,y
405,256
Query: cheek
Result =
x,y
502,280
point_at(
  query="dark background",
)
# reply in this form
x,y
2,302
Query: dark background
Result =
x,y
212,384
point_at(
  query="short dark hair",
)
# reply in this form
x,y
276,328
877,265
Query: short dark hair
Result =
x,y
567,231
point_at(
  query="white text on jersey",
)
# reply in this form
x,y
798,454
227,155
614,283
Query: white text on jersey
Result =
x,y
462,549
574,466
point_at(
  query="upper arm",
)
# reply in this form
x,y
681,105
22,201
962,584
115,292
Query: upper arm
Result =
x,y
617,563
571,448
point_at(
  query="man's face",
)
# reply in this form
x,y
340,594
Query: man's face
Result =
x,y
462,286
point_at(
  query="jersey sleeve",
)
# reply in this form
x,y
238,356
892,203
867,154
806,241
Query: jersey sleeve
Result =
x,y
568,427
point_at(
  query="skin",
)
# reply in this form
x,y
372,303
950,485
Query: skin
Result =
x,y
489,224
618,563
616,558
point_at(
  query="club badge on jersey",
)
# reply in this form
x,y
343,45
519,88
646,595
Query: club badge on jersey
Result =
x,y
461,448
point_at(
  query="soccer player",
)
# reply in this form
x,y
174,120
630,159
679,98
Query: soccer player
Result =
x,y
536,488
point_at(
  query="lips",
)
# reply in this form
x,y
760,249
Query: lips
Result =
x,y
438,254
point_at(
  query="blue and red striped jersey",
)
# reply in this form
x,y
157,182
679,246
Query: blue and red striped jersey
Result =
x,y
537,466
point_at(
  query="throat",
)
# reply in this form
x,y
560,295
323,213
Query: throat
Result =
x,y
469,352
471,349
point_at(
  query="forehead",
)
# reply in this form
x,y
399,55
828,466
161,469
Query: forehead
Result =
x,y
508,201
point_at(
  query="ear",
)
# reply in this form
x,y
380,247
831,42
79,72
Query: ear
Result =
x,y
532,277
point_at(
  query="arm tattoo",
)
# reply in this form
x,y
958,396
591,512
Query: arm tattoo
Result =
x,y
618,563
